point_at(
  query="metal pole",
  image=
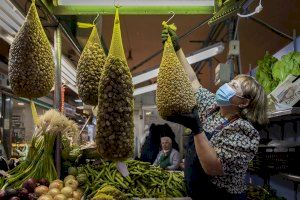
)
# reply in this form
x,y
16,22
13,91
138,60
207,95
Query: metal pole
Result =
x,y
211,73
295,40
230,59
57,95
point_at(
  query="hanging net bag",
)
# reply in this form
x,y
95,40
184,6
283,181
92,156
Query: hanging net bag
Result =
x,y
89,68
114,136
174,93
31,63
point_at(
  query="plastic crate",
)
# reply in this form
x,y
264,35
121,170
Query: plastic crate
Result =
x,y
277,159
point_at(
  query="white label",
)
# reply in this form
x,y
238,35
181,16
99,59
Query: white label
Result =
x,y
6,124
122,168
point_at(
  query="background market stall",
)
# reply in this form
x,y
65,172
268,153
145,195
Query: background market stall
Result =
x,y
141,36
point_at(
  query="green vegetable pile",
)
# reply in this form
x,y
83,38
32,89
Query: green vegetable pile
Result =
x,y
39,162
264,73
144,181
271,71
289,64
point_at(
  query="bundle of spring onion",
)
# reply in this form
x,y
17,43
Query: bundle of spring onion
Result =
x,y
39,162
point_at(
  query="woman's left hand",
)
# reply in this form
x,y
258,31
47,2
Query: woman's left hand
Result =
x,y
190,121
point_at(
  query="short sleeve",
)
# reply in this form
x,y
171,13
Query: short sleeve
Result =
x,y
238,149
204,99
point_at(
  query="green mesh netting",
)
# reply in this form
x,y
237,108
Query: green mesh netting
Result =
x,y
114,136
174,93
89,69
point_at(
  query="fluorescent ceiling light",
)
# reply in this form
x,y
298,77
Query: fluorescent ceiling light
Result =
x,y
137,3
7,38
21,104
145,76
149,107
206,53
146,89
195,57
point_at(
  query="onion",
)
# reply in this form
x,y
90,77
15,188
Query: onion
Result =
x,y
56,184
67,191
44,182
10,192
45,197
2,194
22,193
77,195
53,192
58,180
69,177
80,191
40,190
14,198
30,184
32,196
72,183
60,197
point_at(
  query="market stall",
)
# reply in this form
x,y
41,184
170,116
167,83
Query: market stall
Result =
x,y
99,157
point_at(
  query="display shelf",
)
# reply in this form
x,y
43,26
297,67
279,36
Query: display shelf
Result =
x,y
292,111
291,177
280,144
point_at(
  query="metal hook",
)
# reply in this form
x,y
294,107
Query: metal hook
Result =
x,y
171,16
116,3
96,18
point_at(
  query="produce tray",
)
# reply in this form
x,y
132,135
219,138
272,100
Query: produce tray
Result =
x,y
276,159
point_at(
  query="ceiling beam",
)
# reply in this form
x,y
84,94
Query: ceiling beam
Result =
x,y
131,10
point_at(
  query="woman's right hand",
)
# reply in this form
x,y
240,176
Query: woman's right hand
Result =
x,y
191,121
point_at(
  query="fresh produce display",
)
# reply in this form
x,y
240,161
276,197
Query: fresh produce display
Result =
x,y
114,136
108,191
264,73
144,181
39,162
272,72
89,69
289,64
174,91
33,189
31,64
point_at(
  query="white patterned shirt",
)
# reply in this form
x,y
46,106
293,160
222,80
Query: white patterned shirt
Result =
x,y
235,144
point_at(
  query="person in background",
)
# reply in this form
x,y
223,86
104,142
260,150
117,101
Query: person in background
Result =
x,y
224,136
168,158
167,131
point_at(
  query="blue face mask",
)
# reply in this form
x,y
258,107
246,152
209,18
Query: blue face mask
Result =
x,y
224,94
